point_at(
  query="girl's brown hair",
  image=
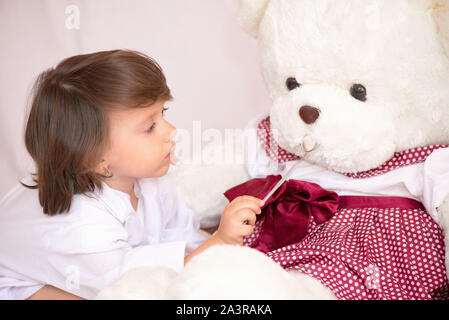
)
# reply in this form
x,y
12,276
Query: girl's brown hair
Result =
x,y
67,129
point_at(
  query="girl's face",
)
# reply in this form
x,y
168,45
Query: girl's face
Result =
x,y
140,142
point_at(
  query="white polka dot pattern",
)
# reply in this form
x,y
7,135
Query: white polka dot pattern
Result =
x,y
273,150
371,254
400,159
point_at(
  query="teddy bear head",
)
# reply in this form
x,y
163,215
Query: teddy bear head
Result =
x,y
362,79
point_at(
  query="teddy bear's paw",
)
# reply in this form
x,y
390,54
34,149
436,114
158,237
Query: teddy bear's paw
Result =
x,y
235,272
142,283
311,288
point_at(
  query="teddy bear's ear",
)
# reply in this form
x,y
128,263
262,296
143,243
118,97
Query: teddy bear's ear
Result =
x,y
251,13
440,10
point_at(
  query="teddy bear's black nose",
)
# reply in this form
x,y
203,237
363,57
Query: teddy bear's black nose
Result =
x,y
309,114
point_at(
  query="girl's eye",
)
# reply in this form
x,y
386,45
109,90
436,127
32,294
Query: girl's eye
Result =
x,y
154,124
151,128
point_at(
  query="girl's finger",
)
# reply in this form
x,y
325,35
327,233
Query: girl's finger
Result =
x,y
247,230
258,201
247,215
245,203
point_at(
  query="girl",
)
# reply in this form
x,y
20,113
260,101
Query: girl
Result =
x,y
99,203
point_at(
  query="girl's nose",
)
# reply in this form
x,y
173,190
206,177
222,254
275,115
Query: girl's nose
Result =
x,y
173,134
170,132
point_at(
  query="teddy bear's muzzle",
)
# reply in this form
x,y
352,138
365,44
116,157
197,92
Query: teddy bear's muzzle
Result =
x,y
309,114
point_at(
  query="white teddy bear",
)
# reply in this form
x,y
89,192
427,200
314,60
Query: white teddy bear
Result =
x,y
366,84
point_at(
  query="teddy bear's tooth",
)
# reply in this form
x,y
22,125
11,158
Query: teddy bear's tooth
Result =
x,y
308,144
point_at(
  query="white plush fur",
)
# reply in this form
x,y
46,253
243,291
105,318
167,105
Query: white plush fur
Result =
x,y
391,47
222,272
142,283
399,50
251,13
202,186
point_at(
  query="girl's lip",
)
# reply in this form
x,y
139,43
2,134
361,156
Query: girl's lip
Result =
x,y
171,151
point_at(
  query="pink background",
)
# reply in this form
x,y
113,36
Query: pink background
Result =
x,y
211,65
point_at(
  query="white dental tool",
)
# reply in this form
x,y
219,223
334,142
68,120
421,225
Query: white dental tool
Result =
x,y
308,145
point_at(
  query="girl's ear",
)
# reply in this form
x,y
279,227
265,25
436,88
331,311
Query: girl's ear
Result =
x,y
440,13
251,13
102,167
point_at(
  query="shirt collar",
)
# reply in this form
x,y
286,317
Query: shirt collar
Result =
x,y
118,203
137,189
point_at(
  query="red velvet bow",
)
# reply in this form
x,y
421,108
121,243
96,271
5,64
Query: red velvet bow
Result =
x,y
288,211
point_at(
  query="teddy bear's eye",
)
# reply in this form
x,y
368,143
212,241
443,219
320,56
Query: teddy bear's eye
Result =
x,y
292,84
358,91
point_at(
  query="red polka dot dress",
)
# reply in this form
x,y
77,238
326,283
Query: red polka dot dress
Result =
x,y
371,247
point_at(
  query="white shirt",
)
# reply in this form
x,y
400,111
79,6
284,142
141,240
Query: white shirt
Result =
x,y
99,239
427,182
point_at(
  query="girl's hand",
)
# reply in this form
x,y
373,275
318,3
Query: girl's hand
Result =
x,y
237,221
233,226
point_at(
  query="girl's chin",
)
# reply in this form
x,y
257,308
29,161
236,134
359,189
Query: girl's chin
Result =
x,y
164,168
